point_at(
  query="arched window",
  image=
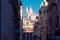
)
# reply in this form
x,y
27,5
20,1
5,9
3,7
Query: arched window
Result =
x,y
27,23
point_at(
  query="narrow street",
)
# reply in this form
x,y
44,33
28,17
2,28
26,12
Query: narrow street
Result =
x,y
30,20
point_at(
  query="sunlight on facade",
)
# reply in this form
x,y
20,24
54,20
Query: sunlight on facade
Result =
x,y
29,20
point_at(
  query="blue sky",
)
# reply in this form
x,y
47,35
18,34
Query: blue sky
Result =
x,y
35,4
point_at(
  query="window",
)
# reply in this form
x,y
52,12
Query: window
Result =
x,y
55,7
29,17
44,11
57,21
27,23
50,21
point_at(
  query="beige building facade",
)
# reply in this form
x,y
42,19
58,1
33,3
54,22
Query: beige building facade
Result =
x,y
29,20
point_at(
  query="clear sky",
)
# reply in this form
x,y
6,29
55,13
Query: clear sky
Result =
x,y
35,4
